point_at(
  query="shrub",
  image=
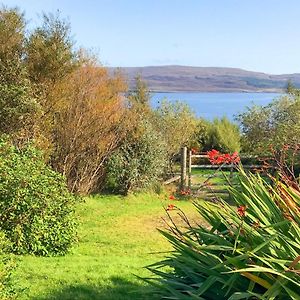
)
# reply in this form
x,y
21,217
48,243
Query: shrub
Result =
x,y
224,136
139,162
220,134
201,135
275,124
7,266
36,209
248,251
89,125
177,124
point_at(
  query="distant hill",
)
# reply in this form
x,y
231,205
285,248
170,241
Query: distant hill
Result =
x,y
207,79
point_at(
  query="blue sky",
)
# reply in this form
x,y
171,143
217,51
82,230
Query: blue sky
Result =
x,y
257,35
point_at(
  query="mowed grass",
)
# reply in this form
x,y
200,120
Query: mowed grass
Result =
x,y
215,177
117,238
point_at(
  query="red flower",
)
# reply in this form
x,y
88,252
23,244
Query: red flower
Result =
x,y
213,156
217,158
170,207
235,158
242,210
227,158
172,197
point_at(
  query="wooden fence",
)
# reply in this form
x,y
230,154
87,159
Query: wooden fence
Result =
x,y
187,165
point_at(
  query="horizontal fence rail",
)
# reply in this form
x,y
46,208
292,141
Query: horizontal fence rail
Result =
x,y
187,165
175,178
225,166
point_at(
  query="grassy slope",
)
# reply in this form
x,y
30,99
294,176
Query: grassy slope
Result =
x,y
116,238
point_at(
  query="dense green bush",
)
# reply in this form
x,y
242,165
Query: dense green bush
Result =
x,y
139,162
220,134
36,209
224,135
275,124
246,252
7,267
177,124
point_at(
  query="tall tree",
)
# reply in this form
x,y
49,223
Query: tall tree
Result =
x,y
89,125
50,58
50,51
17,104
139,100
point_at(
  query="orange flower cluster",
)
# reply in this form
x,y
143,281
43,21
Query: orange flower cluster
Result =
x,y
185,192
170,207
217,158
172,197
242,210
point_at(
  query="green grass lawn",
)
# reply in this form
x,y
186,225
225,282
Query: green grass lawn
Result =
x,y
217,177
117,238
212,184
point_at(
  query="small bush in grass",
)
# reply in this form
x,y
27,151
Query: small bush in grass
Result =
x,y
139,162
36,209
251,251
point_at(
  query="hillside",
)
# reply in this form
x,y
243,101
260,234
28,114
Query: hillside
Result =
x,y
207,79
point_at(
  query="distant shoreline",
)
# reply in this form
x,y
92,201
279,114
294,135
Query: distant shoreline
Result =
x,y
214,92
185,79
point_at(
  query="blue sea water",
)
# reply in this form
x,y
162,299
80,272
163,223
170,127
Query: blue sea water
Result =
x,y
211,105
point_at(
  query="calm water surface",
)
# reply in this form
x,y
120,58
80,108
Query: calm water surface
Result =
x,y
211,105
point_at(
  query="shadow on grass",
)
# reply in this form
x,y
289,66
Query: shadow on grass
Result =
x,y
119,289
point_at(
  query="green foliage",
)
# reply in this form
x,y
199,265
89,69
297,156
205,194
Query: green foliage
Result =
x,y
251,250
140,161
275,124
220,134
36,209
224,136
49,51
7,267
201,136
291,89
49,58
140,96
17,105
12,39
17,108
177,124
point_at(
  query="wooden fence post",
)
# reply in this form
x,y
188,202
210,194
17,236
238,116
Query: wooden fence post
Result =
x,y
183,168
190,170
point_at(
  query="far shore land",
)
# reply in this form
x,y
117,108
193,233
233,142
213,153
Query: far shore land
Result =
x,y
176,79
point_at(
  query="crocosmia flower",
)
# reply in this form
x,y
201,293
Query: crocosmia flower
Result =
x,y
170,207
242,210
217,158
